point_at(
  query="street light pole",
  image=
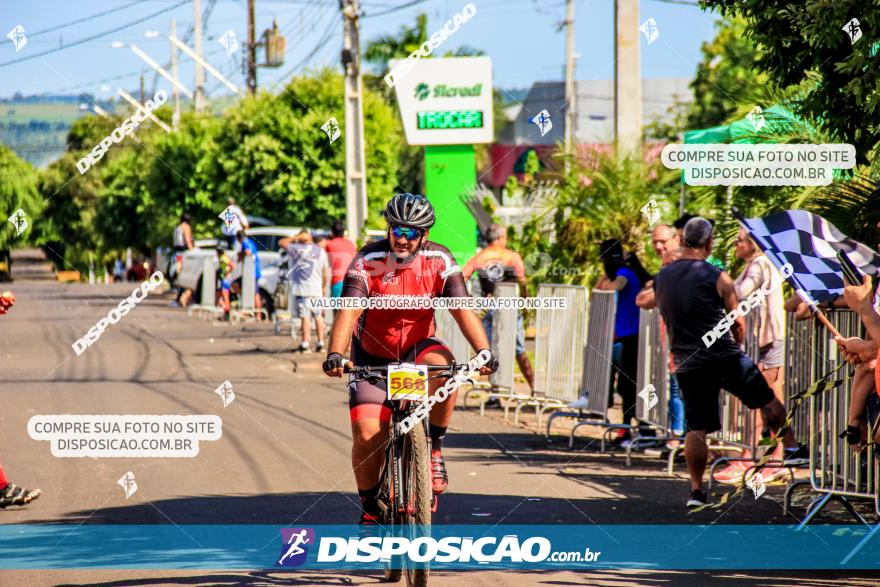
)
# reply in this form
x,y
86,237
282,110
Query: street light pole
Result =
x,y
570,96
200,72
175,116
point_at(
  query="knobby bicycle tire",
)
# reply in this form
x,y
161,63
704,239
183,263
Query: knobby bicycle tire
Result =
x,y
394,568
417,461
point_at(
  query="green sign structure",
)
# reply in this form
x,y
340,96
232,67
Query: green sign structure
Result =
x,y
450,119
446,105
451,170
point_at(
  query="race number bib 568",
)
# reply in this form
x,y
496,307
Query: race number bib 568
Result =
x,y
407,381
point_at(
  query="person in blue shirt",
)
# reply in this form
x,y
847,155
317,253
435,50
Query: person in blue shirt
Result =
x,y
249,248
625,275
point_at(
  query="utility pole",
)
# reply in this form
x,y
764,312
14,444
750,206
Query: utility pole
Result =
x,y
570,93
200,72
627,78
142,88
251,50
175,94
355,160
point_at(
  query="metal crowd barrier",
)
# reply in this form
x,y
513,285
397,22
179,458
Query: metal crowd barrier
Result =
x,y
596,358
654,370
208,301
560,337
503,344
248,293
798,369
448,331
836,471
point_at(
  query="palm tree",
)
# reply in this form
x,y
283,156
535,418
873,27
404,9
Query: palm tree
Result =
x,y
596,200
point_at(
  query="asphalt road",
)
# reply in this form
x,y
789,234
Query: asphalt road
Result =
x,y
284,453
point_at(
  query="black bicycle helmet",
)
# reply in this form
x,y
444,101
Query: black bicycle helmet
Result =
x,y
410,210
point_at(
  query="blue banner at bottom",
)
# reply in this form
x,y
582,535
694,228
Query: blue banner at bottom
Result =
x,y
473,547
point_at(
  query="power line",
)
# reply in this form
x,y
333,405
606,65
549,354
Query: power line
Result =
x,y
93,37
30,35
391,10
324,38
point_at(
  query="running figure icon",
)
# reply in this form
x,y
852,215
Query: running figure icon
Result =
x,y
296,539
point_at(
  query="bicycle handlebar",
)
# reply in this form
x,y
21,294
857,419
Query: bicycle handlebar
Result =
x,y
378,371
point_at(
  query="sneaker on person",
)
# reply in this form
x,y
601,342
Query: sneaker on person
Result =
x,y
304,348
439,477
773,473
319,347
580,403
796,457
733,473
15,495
698,498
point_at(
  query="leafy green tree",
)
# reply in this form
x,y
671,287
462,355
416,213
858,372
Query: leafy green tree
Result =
x,y
804,42
272,156
728,76
593,202
178,179
18,190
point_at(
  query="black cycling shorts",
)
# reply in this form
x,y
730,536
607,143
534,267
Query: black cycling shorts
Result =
x,y
700,388
367,401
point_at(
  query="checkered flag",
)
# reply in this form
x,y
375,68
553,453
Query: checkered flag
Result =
x,y
810,244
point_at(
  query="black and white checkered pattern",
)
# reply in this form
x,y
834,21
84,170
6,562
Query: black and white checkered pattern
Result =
x,y
810,243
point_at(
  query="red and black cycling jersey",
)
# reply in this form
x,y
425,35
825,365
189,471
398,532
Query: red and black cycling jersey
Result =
x,y
374,272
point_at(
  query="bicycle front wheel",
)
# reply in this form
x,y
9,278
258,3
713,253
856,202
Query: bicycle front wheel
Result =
x,y
420,497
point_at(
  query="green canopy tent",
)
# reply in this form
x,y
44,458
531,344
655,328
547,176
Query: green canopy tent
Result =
x,y
777,120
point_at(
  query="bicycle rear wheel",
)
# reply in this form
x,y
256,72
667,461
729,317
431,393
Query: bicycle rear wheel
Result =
x,y
417,467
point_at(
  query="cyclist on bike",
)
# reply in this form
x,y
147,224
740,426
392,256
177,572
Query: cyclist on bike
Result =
x,y
404,263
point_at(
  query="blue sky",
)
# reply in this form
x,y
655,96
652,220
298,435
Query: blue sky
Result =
x,y
519,35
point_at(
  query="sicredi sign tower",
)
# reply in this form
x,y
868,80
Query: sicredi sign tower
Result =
x,y
446,105
447,101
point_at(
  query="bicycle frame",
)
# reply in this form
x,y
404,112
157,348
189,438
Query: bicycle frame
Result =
x,y
400,501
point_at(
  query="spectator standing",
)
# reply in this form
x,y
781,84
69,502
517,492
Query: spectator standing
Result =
x,y
309,278
340,252
182,242
498,264
225,274
759,272
119,270
693,297
237,221
666,242
249,249
621,276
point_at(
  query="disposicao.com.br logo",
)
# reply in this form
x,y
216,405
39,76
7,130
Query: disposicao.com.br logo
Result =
x,y
423,546
425,549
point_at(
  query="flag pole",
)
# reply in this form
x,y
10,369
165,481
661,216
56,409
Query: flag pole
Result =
x,y
799,290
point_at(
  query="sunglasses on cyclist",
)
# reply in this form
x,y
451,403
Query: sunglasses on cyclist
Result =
x,y
406,232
